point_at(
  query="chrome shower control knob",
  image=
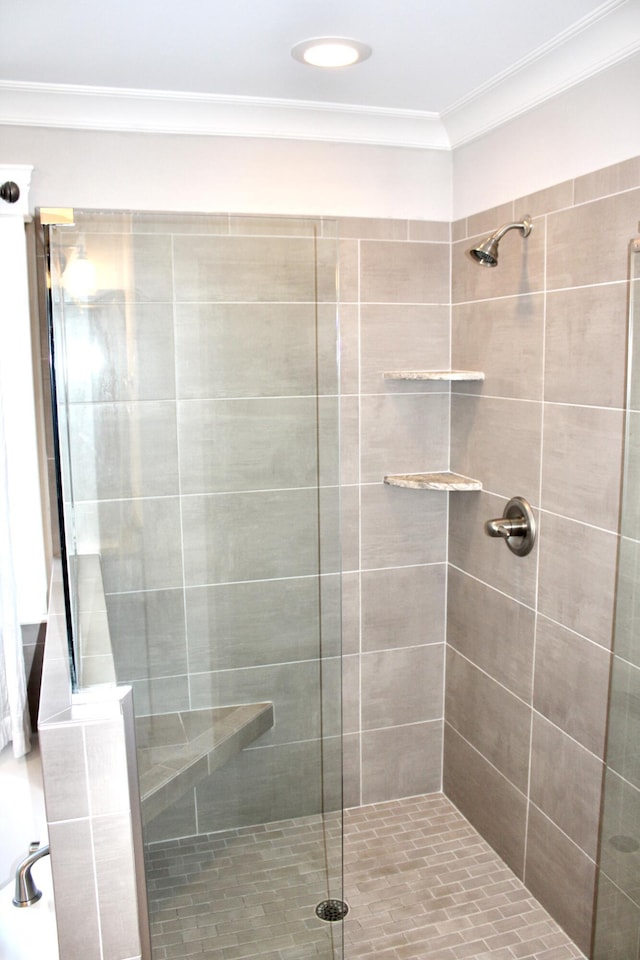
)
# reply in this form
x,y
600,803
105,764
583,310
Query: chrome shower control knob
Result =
x,y
516,526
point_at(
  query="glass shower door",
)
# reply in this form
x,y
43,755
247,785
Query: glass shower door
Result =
x,y
198,403
617,915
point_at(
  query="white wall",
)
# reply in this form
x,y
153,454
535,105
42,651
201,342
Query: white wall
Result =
x,y
195,173
588,127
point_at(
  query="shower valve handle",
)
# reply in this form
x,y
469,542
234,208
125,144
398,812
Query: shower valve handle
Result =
x,y
507,528
517,527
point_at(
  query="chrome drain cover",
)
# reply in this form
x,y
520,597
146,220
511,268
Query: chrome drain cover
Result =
x,y
332,910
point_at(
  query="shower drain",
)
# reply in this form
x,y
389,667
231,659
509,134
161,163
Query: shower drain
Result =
x,y
332,910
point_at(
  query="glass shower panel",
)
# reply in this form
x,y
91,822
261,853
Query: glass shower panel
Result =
x,y
617,917
198,387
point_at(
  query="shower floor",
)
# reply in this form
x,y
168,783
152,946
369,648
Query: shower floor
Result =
x,y
419,880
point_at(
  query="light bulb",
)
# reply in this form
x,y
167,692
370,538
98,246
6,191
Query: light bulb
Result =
x,y
79,278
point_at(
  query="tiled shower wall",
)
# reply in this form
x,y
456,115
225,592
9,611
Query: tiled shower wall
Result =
x,y
394,316
202,403
528,650
529,638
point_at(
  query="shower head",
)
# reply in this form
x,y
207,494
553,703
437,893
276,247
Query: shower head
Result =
x,y
487,252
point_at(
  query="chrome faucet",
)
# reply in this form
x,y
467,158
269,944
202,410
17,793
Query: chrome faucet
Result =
x,y
26,891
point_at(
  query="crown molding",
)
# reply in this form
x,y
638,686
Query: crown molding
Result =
x,y
608,36
196,114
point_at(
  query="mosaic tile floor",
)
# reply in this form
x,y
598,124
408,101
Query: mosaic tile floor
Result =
x,y
419,880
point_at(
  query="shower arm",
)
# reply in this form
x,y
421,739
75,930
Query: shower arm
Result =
x,y
524,225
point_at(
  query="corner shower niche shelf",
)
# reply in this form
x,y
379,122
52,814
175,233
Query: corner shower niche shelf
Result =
x,y
449,375
442,480
433,481
177,750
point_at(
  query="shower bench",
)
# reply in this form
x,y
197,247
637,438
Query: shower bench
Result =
x,y
177,750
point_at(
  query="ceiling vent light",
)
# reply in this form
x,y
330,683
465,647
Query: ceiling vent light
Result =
x,y
330,52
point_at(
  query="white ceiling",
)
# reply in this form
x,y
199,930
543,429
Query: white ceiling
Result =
x,y
447,60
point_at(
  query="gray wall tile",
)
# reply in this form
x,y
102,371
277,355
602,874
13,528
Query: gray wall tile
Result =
x,y
147,633
107,768
403,607
123,450
351,694
112,845
557,197
258,785
585,346
502,338
78,930
402,527
365,228
486,221
620,823
577,576
348,273
561,876
571,683
402,686
432,231
235,349
403,434
401,761
590,242
398,337
351,769
160,695
497,442
561,768
138,268
490,718
581,463
612,179
244,268
131,537
264,444
617,932
257,535
500,641
260,622
393,272
350,596
627,615
493,805
65,772
630,514
623,737
133,347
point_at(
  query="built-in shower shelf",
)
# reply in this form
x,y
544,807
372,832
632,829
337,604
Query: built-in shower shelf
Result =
x,y
433,375
177,750
433,481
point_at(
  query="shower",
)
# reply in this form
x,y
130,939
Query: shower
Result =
x,y
487,253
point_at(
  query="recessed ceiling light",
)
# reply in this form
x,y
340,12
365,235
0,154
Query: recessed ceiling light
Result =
x,y
330,52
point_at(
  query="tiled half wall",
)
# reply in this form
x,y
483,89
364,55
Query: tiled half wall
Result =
x,y
529,639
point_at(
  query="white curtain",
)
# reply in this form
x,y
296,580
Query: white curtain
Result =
x,y
14,711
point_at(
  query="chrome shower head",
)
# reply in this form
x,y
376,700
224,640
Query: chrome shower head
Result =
x,y
487,252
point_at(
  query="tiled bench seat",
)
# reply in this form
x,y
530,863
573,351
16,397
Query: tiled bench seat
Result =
x,y
177,750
